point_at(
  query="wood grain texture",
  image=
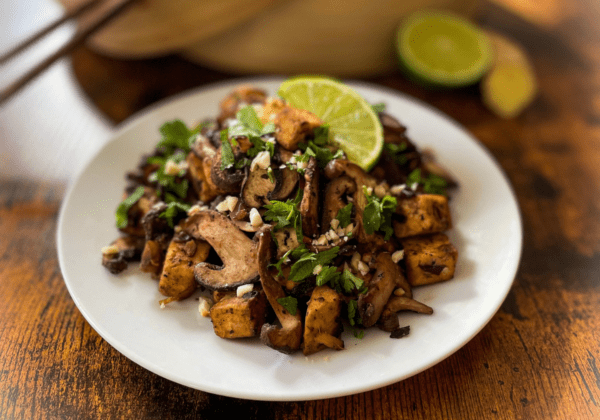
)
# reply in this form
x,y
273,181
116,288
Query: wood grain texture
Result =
x,y
539,357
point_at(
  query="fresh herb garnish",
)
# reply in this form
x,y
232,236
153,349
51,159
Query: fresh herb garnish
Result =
x,y
380,107
305,266
227,156
353,314
378,214
286,214
173,209
344,215
290,304
432,184
123,209
396,151
176,135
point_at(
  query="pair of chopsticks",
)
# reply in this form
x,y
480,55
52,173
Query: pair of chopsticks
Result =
x,y
78,39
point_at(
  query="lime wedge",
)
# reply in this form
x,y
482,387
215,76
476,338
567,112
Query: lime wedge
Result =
x,y
437,48
353,124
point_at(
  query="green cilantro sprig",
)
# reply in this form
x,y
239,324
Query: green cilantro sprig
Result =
x,y
379,107
344,215
377,215
227,156
176,135
123,209
353,314
305,266
290,304
286,214
173,209
397,152
249,125
432,184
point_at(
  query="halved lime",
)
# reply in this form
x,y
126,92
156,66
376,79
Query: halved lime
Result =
x,y
443,49
353,125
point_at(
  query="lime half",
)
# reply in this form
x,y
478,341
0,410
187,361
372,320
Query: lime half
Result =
x,y
353,124
442,49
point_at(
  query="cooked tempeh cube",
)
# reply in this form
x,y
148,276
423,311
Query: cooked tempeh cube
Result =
x,y
293,125
322,326
177,277
237,317
422,214
429,259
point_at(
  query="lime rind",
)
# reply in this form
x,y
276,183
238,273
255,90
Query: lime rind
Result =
x,y
353,125
420,27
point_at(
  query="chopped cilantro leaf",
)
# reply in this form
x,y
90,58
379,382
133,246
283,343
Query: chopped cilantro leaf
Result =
x,y
344,215
247,116
328,274
380,107
321,135
123,209
353,315
396,151
305,266
227,157
285,214
259,145
176,135
173,208
378,214
290,303
432,184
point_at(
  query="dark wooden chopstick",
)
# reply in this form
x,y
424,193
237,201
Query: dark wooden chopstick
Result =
x,y
44,31
79,37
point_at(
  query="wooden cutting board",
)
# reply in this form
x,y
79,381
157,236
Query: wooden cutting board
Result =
x,y
151,28
349,38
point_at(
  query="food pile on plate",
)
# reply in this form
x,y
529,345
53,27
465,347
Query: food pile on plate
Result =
x,y
269,210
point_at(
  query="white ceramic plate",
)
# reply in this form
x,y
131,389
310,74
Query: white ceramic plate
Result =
x,y
178,344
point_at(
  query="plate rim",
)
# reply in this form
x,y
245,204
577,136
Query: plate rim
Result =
x,y
134,119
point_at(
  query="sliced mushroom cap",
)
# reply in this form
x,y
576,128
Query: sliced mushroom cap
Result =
x,y
287,337
285,183
309,206
236,250
257,187
333,201
389,318
339,167
129,249
380,288
227,180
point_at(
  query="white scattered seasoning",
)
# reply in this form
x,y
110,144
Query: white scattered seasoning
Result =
x,y
399,292
204,306
110,250
162,305
333,236
262,160
414,186
397,189
317,269
335,223
231,202
222,207
255,219
301,165
340,232
380,191
363,268
354,261
322,240
349,228
398,255
370,190
242,290
229,122
171,168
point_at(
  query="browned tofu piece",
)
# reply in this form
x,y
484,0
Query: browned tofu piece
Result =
x,y
293,125
152,258
237,317
322,326
177,277
242,95
270,109
429,259
422,214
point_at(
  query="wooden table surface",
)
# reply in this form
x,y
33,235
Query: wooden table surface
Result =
x,y
538,358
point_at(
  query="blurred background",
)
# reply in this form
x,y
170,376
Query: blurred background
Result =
x,y
157,48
